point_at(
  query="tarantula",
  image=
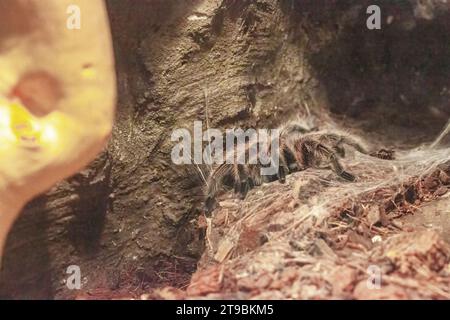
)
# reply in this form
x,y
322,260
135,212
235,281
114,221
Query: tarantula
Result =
x,y
300,147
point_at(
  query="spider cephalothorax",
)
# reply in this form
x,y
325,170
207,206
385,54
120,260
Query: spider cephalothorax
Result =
x,y
300,147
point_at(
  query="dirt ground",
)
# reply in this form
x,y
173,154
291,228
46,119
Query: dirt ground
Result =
x,y
135,223
319,239
315,238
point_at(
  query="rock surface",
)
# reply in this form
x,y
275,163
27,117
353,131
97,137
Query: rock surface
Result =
x,y
130,220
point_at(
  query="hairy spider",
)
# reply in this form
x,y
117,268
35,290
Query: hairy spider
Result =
x,y
300,147
241,177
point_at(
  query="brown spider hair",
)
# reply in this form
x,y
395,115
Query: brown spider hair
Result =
x,y
300,147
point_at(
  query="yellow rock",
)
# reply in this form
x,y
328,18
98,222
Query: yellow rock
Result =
x,y
57,96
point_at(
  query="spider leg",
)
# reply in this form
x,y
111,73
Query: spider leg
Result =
x,y
241,180
283,168
313,153
334,162
251,183
381,154
292,161
352,143
339,150
236,178
384,154
209,205
253,169
307,153
282,173
255,176
214,184
246,182
338,142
